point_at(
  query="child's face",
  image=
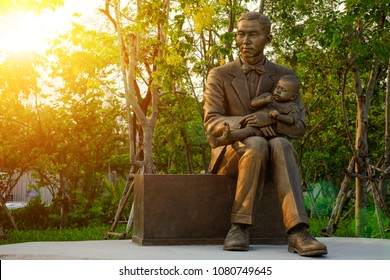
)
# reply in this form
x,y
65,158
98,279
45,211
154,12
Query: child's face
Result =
x,y
284,92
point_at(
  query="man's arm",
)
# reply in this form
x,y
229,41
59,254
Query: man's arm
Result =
x,y
258,120
284,118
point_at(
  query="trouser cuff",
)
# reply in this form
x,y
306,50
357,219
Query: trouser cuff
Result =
x,y
242,219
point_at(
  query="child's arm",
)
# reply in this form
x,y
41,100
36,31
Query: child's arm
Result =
x,y
284,118
261,101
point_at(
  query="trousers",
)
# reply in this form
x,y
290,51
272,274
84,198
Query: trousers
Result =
x,y
250,161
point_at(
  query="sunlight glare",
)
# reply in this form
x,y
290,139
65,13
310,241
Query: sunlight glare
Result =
x,y
23,32
26,31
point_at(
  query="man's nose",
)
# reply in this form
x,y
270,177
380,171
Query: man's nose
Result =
x,y
246,39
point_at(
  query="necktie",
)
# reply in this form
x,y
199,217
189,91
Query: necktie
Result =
x,y
246,68
253,75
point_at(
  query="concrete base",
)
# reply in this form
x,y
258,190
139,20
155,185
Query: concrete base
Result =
x,y
339,248
195,210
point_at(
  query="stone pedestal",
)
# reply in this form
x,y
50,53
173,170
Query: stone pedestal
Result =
x,y
195,209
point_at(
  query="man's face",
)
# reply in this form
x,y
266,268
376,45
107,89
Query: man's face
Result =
x,y
251,39
284,91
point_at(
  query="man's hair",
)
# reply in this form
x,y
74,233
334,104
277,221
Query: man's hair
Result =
x,y
263,19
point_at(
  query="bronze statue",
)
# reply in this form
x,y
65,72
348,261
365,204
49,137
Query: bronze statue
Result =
x,y
264,148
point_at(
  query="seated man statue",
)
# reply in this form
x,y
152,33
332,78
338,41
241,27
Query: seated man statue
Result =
x,y
230,88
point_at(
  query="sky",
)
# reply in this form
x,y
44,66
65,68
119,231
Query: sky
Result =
x,y
28,32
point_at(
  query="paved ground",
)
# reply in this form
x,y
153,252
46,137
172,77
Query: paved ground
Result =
x,y
339,249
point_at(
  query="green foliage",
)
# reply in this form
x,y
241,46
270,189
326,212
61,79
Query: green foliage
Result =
x,y
35,215
326,193
346,227
180,143
319,198
322,41
7,6
70,234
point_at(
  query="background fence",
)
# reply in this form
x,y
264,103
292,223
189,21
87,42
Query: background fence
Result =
x,y
22,192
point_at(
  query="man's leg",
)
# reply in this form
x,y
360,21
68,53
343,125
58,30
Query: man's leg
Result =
x,y
285,173
247,161
287,182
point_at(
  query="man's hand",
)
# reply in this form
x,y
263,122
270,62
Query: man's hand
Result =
x,y
268,131
258,119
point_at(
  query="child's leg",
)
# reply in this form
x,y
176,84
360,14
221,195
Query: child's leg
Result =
x,y
229,137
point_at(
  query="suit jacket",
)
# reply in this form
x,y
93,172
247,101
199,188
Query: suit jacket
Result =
x,y
227,99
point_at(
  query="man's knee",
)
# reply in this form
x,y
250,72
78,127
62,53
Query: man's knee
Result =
x,y
282,150
254,148
280,144
256,144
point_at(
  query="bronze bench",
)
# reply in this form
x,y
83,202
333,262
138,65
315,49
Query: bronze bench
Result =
x,y
195,210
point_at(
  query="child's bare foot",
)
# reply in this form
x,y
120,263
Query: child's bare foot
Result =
x,y
213,141
222,140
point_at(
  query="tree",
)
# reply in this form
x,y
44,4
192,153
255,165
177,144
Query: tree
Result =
x,y
165,54
386,161
7,6
18,81
180,146
141,39
87,129
340,44
13,86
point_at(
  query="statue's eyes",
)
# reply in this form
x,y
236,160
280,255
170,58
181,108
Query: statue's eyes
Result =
x,y
243,34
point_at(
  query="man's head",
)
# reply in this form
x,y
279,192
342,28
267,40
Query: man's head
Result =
x,y
262,19
287,89
253,34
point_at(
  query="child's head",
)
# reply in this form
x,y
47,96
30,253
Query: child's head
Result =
x,y
287,89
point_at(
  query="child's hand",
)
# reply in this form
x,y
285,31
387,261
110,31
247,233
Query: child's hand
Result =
x,y
274,114
270,99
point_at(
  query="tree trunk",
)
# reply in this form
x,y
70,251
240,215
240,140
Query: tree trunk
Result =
x,y
130,50
190,165
386,163
62,195
8,213
148,150
363,102
361,148
339,202
261,6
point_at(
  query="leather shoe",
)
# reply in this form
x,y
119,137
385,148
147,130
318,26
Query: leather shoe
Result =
x,y
237,238
304,244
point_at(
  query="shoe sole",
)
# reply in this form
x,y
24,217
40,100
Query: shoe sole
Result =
x,y
313,253
235,248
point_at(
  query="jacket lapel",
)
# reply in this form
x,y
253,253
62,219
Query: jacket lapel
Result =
x,y
266,81
240,85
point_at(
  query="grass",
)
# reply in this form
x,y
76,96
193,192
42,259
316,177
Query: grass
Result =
x,y
69,234
345,229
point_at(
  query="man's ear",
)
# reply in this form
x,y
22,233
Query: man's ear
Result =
x,y
235,38
269,37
